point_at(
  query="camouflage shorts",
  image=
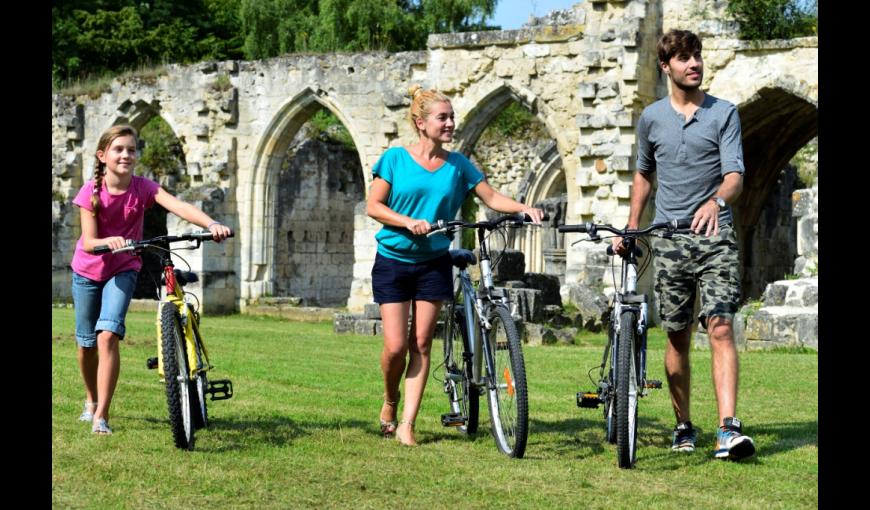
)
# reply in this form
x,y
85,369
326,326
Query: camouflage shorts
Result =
x,y
686,261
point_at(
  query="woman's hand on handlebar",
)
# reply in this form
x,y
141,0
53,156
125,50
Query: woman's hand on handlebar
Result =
x,y
418,227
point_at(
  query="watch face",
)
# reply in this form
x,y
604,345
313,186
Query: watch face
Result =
x,y
720,202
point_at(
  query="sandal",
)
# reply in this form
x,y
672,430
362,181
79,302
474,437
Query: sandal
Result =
x,y
399,437
388,428
88,412
101,428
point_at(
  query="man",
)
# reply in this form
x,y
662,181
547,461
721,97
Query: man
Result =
x,y
691,142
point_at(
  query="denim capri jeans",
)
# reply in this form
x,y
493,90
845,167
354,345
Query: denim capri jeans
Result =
x,y
101,306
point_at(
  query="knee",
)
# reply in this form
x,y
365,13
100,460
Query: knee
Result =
x,y
720,330
394,352
107,339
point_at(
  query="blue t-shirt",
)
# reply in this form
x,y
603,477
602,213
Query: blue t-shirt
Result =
x,y
421,194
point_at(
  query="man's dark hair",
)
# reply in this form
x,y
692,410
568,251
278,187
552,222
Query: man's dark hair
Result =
x,y
677,42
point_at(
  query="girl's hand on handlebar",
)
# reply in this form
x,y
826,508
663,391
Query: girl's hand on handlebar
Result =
x,y
418,227
115,242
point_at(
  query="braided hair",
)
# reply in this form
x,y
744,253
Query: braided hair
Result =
x,y
100,168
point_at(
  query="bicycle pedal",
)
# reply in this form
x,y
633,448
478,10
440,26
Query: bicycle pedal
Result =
x,y
220,390
653,384
589,400
452,420
151,363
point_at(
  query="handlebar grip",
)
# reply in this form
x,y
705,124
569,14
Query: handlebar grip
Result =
x,y
572,228
103,248
205,235
526,218
681,224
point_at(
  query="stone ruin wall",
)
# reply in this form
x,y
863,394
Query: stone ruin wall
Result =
x,y
586,80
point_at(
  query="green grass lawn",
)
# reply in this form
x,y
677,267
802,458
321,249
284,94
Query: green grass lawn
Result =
x,y
301,431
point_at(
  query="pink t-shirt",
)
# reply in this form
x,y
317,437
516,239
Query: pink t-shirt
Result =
x,y
119,215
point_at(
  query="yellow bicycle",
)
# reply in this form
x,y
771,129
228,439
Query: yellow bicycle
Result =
x,y
182,358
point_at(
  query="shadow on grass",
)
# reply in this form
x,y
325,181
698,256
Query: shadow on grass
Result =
x,y
232,434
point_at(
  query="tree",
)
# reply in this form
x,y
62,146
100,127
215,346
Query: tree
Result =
x,y
774,19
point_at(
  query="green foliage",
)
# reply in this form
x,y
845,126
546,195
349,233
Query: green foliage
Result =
x,y
469,214
163,154
93,37
751,307
807,163
774,19
512,120
326,126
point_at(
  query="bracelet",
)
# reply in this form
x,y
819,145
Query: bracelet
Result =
x,y
212,224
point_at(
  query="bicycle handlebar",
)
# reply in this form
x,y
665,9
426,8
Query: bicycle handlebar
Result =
x,y
450,226
132,245
593,228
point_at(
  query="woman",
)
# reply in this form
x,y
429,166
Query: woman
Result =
x,y
412,187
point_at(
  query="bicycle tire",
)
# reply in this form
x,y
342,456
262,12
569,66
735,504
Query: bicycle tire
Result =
x,y
626,392
610,397
198,404
463,399
507,391
177,377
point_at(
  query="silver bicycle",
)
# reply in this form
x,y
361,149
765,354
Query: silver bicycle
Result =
x,y
482,348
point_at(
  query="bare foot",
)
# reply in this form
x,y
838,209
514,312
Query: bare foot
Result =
x,y
405,433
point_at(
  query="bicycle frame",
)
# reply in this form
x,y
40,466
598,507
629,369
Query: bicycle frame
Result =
x,y
479,301
197,354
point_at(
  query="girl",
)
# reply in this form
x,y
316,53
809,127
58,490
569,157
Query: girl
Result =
x,y
413,186
112,210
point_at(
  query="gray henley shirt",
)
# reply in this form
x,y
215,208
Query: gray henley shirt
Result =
x,y
691,158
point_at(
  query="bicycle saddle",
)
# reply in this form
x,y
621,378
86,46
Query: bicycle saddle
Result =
x,y
462,258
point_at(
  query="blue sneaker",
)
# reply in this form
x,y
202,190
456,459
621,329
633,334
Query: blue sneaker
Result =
x,y
731,443
684,437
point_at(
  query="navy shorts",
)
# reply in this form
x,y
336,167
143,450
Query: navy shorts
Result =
x,y
394,281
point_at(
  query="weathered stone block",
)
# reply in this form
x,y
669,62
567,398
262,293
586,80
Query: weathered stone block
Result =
x,y
372,311
508,265
548,285
537,334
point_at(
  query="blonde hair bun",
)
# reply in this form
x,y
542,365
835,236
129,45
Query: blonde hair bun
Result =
x,y
415,89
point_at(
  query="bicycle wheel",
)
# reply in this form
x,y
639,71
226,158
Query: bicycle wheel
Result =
x,y
610,395
508,395
626,392
464,400
177,376
198,387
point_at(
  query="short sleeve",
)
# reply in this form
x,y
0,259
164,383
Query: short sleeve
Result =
x,y
471,176
149,189
731,143
646,161
83,198
384,166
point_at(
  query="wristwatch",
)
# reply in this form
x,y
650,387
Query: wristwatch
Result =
x,y
719,201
